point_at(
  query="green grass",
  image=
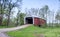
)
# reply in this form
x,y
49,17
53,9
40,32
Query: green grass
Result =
x,y
3,26
6,26
34,31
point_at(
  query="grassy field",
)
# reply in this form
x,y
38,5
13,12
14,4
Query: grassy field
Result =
x,y
6,26
34,31
3,26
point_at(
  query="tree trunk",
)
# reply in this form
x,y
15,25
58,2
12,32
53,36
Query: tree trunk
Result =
x,y
1,19
17,22
8,21
17,19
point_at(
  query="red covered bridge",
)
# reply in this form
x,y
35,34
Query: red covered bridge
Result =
x,y
34,20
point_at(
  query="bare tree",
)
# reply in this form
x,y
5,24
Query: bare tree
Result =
x,y
32,11
19,10
44,11
58,15
7,6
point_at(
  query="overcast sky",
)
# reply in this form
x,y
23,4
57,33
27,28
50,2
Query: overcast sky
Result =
x,y
53,5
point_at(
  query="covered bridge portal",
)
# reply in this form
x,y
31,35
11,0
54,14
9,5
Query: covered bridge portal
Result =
x,y
29,20
34,20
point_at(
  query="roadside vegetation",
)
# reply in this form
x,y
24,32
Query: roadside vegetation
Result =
x,y
9,17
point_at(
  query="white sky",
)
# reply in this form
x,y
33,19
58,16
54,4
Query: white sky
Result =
x,y
53,6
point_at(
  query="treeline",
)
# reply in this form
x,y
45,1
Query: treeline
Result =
x,y
7,8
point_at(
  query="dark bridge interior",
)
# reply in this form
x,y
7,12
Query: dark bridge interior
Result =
x,y
29,20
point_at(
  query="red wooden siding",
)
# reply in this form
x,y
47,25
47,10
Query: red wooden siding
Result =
x,y
42,21
36,21
39,21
